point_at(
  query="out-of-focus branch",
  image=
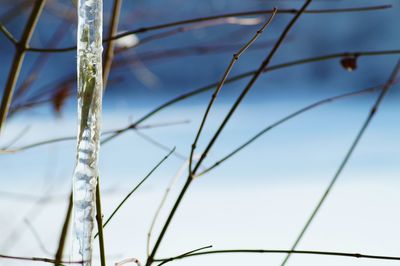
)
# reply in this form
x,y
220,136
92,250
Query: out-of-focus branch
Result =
x,y
248,74
21,48
109,51
49,141
37,259
202,19
8,34
289,117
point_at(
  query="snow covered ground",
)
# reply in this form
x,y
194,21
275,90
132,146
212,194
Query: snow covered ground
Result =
x,y
258,199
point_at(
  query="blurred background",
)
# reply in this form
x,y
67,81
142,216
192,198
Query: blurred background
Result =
x,y
262,196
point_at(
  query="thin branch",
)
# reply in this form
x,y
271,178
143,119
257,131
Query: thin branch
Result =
x,y
49,198
99,219
22,133
195,92
202,19
55,140
186,254
159,144
8,34
38,259
18,60
109,55
221,127
204,89
41,61
134,189
346,158
289,117
159,54
280,251
162,202
197,26
16,10
64,231
109,51
235,57
36,236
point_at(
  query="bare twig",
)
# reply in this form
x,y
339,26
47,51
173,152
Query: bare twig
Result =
x,y
37,259
109,55
287,118
202,19
186,254
280,251
222,82
159,144
162,202
221,127
109,51
99,219
195,92
192,93
21,47
8,34
17,137
41,61
50,141
204,89
64,231
134,189
150,56
346,158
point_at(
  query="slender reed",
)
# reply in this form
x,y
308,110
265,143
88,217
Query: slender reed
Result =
x,y
235,57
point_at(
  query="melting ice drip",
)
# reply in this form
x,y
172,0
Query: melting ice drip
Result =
x,y
89,112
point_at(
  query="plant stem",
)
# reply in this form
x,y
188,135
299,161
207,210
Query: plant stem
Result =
x,y
134,189
21,48
64,231
192,93
281,251
221,127
202,19
99,219
235,57
109,51
287,118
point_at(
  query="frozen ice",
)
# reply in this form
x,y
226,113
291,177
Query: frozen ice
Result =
x,y
89,116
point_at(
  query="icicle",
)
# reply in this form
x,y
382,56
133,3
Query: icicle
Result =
x,y
90,88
